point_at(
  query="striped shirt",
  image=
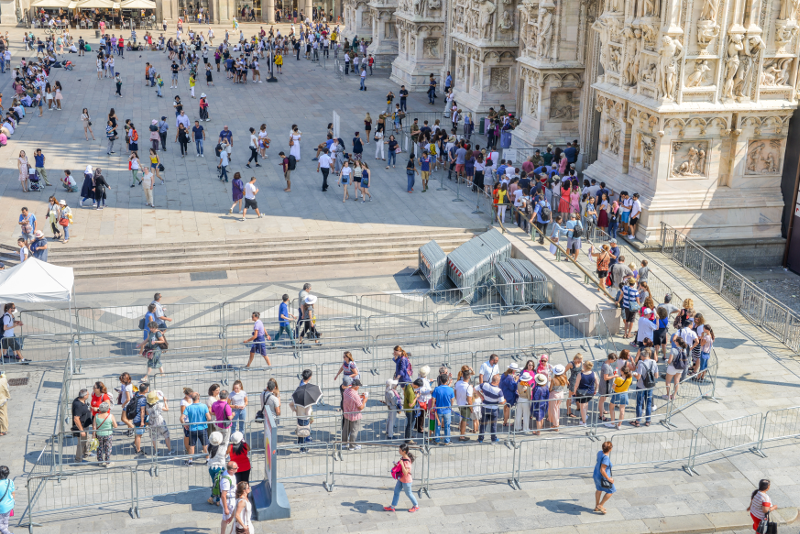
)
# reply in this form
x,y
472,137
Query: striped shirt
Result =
x,y
351,405
492,396
629,294
759,501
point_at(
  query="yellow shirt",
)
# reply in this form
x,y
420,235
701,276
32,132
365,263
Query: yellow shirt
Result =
x,y
621,385
191,81
279,59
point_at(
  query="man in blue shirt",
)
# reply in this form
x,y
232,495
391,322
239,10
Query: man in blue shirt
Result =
x,y
614,250
148,317
226,134
571,152
630,304
27,222
448,82
501,169
39,246
196,416
425,168
541,222
574,242
284,320
442,398
492,397
258,340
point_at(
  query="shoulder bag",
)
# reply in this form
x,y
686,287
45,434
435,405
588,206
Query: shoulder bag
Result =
x,y
11,514
604,482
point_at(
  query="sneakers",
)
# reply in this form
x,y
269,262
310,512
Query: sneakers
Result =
x,y
412,510
389,508
610,425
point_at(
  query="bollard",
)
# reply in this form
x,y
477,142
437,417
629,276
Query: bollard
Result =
x,y
458,190
441,181
478,209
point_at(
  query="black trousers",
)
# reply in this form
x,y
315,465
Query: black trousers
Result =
x,y
325,178
163,136
253,155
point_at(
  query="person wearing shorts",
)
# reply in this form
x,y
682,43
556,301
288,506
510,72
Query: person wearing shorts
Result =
x,y
250,191
258,340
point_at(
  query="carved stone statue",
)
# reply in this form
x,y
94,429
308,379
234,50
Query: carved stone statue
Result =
x,y
613,59
754,157
747,58
671,50
614,138
649,8
601,28
650,73
506,22
545,32
735,45
788,9
630,72
776,72
487,10
648,147
709,11
695,162
433,5
696,78
770,164
616,6
785,31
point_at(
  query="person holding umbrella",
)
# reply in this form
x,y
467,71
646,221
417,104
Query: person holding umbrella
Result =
x,y
303,400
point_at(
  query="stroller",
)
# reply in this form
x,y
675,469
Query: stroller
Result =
x,y
35,182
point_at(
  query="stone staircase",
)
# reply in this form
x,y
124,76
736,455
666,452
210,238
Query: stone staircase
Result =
x,y
233,254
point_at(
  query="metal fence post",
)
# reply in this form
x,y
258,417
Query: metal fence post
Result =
x,y
703,267
478,209
721,279
134,494
458,190
685,251
674,244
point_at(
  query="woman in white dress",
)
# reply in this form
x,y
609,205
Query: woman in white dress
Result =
x,y
294,142
244,510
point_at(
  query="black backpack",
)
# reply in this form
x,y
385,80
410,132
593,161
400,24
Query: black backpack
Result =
x,y
292,162
578,230
132,407
679,362
546,214
649,377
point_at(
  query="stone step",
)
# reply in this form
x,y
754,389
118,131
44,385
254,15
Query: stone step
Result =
x,y
64,255
373,236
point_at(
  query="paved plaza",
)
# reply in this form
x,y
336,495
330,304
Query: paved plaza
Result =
x,y
193,206
756,373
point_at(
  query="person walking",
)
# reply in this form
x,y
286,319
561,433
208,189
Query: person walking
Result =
x,y
411,171
603,480
22,166
100,186
344,179
7,490
558,389
258,341
147,182
237,190
646,376
198,136
402,473
5,397
243,512
87,124
253,148
103,425
250,192
134,167
760,503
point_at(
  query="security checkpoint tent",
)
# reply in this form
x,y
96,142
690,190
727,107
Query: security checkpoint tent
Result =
x,y
37,281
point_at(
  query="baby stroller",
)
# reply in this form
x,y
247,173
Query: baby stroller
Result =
x,y
35,182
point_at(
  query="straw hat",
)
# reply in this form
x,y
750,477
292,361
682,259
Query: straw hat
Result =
x,y
236,438
542,379
152,398
311,300
526,377
558,370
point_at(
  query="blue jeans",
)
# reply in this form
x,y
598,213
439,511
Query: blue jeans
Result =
x,y
66,232
281,330
158,90
431,97
644,396
240,416
410,180
392,158
612,229
362,83
445,421
199,144
407,489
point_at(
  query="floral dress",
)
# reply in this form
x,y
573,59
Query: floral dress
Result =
x,y
23,169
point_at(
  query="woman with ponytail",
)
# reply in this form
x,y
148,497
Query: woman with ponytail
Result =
x,y
402,473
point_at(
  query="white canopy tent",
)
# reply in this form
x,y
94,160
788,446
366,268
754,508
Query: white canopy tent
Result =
x,y
98,4
37,281
52,4
138,4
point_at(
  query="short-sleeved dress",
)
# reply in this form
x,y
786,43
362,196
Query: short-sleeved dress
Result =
x,y
603,459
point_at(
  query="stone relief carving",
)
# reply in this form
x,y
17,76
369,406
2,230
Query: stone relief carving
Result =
x,y
412,44
545,33
689,159
430,48
698,76
499,80
748,56
507,22
649,35
563,106
614,58
533,101
764,157
707,31
785,31
476,76
788,9
645,150
671,51
776,72
732,63
650,73
366,20
461,73
601,27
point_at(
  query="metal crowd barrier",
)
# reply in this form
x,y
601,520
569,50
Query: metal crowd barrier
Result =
x,y
775,317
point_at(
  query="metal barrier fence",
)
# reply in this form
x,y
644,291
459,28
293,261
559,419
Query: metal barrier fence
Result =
x,y
775,317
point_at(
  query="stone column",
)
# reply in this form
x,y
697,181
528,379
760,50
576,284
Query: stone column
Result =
x,y
308,8
8,12
167,9
270,7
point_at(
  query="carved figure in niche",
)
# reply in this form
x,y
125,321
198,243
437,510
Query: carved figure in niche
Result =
x,y
709,10
771,164
614,139
649,8
430,48
506,22
695,162
649,34
460,71
530,38
412,44
788,9
754,157
613,59
671,50
601,28
615,6
776,72
487,10
696,78
735,45
533,102
785,30
631,70
434,5
546,32
707,31
747,58
648,147
459,16
615,30
650,73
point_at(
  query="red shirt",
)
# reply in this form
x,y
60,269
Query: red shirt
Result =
x,y
241,458
97,401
